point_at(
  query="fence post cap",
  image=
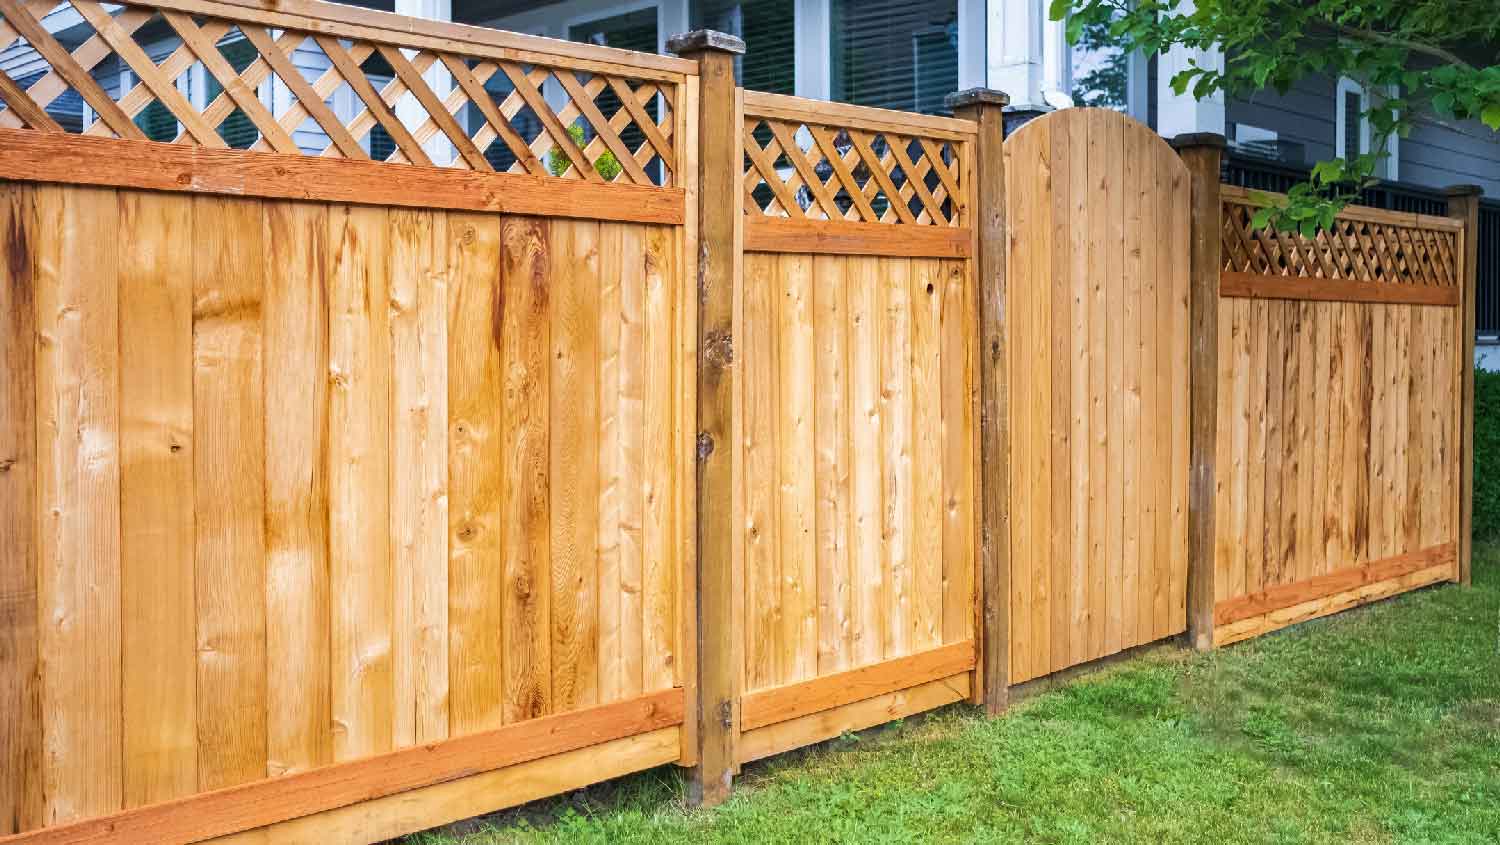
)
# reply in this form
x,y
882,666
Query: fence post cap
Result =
x,y
976,96
1463,191
705,39
1198,139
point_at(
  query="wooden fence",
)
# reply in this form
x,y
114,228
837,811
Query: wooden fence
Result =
x,y
855,419
367,467
1339,414
1098,280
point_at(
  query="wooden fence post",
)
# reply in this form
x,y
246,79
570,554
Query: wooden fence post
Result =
x,y
1201,152
1463,204
986,108
718,212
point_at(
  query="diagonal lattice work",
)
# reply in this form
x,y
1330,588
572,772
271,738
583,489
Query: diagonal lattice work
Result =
x,y
800,170
1361,246
310,87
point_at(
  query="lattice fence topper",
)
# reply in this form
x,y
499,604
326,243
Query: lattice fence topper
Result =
x,y
145,73
1356,249
810,171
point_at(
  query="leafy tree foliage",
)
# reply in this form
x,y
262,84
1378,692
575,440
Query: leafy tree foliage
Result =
x,y
1437,56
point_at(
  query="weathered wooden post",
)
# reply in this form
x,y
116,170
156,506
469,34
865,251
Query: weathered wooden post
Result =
x,y
986,108
1463,204
1202,152
718,212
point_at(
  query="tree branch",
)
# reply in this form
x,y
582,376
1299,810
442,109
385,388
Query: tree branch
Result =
x,y
1395,41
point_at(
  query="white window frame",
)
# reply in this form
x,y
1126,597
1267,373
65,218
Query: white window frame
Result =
x,y
1391,167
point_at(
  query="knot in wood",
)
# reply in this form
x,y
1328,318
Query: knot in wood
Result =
x,y
718,348
705,445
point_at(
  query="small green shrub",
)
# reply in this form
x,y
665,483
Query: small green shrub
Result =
x,y
1486,454
607,165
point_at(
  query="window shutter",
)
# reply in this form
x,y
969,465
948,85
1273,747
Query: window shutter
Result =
x,y
768,28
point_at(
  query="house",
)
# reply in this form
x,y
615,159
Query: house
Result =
x,y
909,55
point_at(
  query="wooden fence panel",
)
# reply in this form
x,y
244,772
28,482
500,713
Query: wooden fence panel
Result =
x,y
343,480
857,376
1338,408
1098,345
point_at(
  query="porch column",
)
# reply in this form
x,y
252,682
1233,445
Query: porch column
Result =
x,y
1181,114
1014,43
813,65
411,113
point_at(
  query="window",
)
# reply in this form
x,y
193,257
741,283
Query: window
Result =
x,y
768,28
895,54
237,130
1353,135
1101,70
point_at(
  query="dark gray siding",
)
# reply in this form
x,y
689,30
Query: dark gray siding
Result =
x,y
1441,153
1303,115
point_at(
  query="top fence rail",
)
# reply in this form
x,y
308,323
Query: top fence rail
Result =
x,y
326,80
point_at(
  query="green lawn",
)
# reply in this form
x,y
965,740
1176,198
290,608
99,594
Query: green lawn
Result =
x,y
1377,725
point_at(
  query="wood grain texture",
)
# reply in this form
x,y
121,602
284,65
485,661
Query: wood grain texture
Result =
x,y
476,461
419,474
229,474
20,539
159,666
1099,386
574,472
298,593
523,308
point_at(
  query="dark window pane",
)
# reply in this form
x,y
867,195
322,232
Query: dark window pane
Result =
x,y
768,28
237,130
895,55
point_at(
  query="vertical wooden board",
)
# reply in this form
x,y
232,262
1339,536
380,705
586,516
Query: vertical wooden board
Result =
x,y
1100,175
1180,205
761,479
659,528
630,445
1037,399
1153,403
866,336
605,444
78,490
1260,370
359,482
1306,418
1331,457
1060,338
927,454
831,430
1315,446
20,540
1129,316
1079,434
419,473
1225,460
1080,296
511,392
1244,408
1433,425
574,468
1277,413
959,366
1357,443
1021,281
159,662
481,686
896,487
1291,438
1399,430
1113,201
229,477
797,453
1379,546
299,715
1415,447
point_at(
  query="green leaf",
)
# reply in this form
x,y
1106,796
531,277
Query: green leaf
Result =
x,y
1261,218
1491,116
1059,9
